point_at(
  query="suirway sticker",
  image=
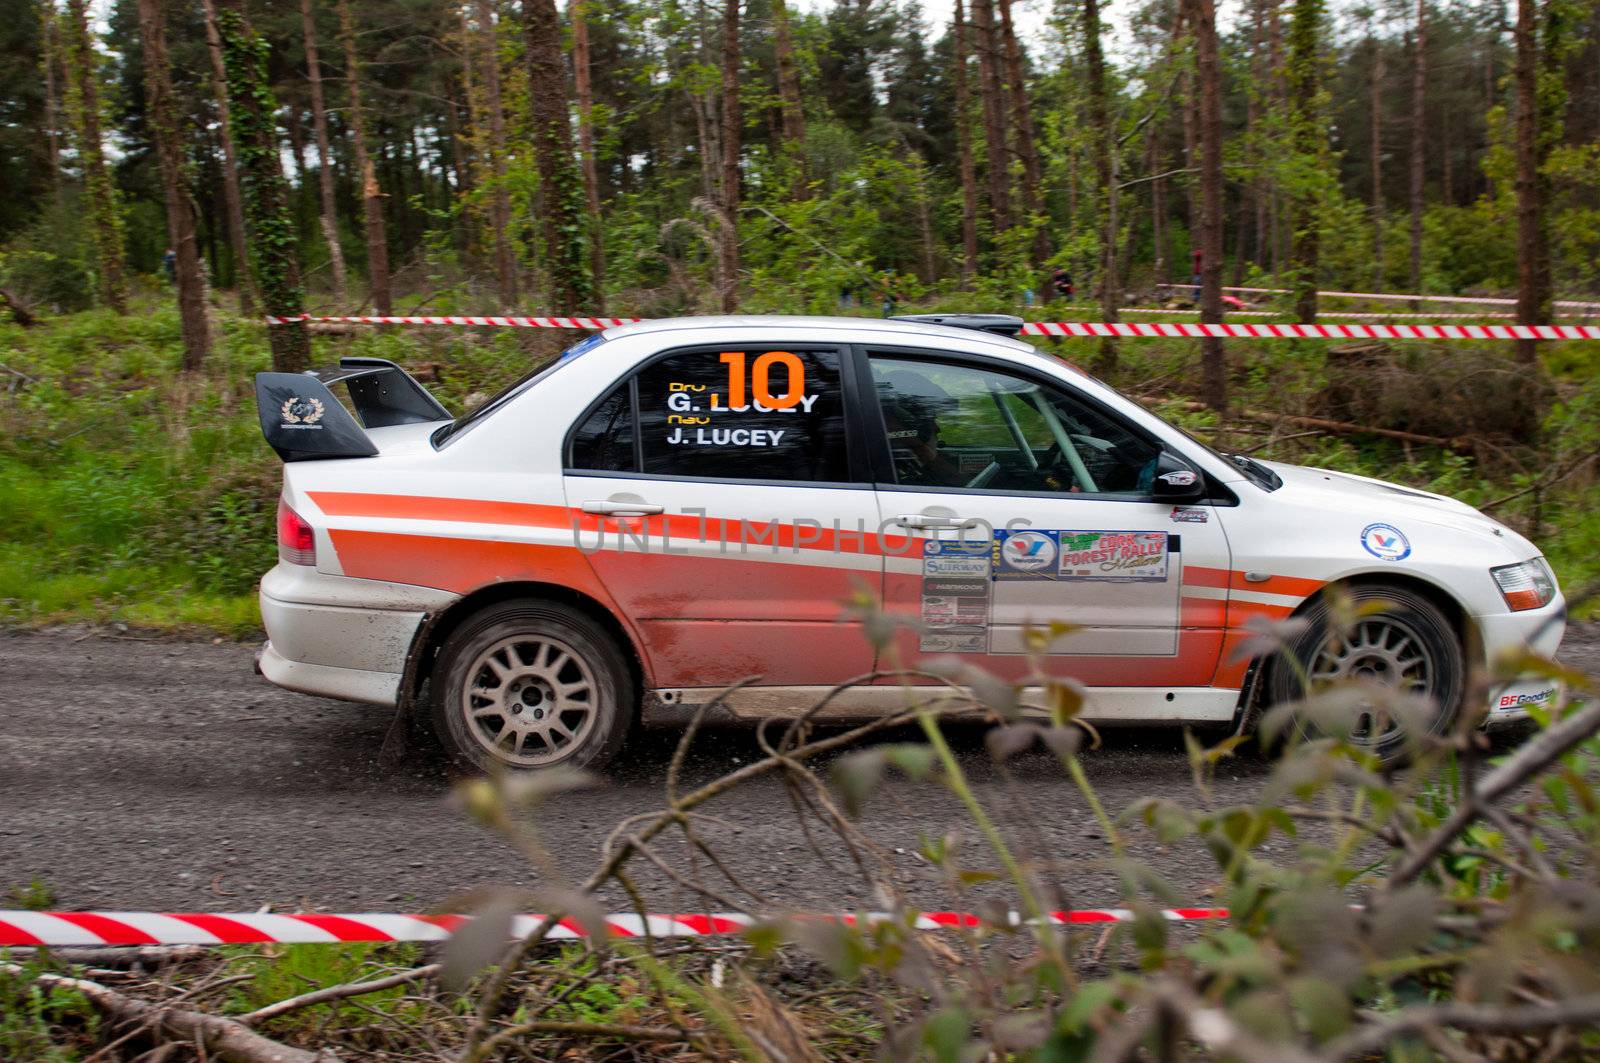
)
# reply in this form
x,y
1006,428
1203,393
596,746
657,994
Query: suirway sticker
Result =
x,y
955,597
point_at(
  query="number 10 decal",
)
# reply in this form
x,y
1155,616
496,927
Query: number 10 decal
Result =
x,y
761,380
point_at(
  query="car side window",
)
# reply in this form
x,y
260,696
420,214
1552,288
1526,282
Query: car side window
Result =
x,y
604,441
962,426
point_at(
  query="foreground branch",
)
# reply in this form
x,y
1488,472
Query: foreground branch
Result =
x,y
1477,1018
225,1038
1538,754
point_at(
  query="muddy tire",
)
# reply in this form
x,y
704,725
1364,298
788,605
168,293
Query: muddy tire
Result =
x,y
529,685
1407,643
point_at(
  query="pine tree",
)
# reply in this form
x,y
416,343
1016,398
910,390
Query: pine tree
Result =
x,y
991,92
100,192
1419,96
232,202
578,17
505,263
790,103
1105,167
561,228
163,114
319,124
1213,365
732,126
968,172
274,248
1308,142
371,193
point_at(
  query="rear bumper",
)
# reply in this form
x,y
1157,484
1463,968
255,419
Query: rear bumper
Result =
x,y
346,684
338,637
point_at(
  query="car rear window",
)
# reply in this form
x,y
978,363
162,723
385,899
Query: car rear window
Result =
x,y
465,422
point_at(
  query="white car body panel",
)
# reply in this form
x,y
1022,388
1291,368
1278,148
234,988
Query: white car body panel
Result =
x,y
402,536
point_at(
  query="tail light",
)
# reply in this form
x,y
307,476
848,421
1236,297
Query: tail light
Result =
x,y
297,543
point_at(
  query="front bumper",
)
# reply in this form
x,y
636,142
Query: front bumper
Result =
x,y
1505,635
339,637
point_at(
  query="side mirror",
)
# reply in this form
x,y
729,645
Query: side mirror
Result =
x,y
1175,481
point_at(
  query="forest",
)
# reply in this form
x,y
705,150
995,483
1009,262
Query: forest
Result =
x,y
178,169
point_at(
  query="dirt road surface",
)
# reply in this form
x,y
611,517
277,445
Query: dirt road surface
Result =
x,y
162,775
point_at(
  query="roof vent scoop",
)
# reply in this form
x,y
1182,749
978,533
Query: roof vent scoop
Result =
x,y
1000,324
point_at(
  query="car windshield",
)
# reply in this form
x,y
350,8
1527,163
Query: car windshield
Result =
x,y
1253,470
466,421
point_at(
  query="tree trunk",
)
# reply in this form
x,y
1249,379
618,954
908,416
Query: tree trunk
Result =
x,y
1279,96
505,263
371,193
100,193
560,199
274,251
1213,363
998,161
1375,149
732,126
969,180
790,102
1105,165
1027,142
1419,91
52,98
319,123
1533,246
591,178
230,168
1305,55
163,118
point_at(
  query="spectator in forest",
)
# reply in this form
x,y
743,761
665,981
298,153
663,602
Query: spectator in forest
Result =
x,y
1061,286
1194,277
169,265
888,291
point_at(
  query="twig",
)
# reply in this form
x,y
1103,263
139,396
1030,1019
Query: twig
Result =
x,y
1477,1018
337,992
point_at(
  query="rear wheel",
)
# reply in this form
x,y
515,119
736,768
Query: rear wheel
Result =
x,y
1401,640
527,685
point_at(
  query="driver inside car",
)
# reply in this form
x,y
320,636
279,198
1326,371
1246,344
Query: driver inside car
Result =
x,y
911,405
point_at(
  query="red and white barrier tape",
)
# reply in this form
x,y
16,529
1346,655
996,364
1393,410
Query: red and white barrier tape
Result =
x,y
458,319
1296,331
1480,300
77,929
1132,329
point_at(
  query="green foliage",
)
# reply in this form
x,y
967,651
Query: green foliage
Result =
x,y
42,1024
283,971
36,896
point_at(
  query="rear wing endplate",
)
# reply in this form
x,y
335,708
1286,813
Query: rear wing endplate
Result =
x,y
303,421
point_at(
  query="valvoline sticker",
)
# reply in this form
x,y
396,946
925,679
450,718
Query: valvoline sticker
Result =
x,y
1385,542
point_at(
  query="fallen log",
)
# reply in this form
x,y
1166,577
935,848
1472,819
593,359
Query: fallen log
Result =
x,y
1461,444
19,310
224,1038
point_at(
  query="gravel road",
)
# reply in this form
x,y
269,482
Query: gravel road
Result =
x,y
165,775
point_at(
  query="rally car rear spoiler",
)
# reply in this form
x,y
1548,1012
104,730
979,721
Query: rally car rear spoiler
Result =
x,y
303,421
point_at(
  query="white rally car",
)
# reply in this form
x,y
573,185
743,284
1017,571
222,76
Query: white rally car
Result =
x,y
675,506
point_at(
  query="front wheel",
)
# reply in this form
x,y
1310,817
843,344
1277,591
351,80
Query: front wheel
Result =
x,y
528,685
1400,639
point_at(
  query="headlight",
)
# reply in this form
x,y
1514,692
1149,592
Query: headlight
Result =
x,y
1529,585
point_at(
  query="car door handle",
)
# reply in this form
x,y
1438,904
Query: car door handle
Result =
x,y
622,509
928,521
